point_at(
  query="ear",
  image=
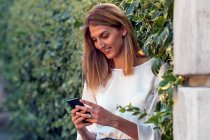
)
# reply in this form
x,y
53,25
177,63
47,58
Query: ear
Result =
x,y
123,31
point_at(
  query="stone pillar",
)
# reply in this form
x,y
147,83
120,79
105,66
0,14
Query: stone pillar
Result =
x,y
192,59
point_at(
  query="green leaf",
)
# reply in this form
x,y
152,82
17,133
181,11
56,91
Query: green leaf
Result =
x,y
129,1
136,19
130,9
122,110
153,119
169,78
156,66
135,113
163,83
170,92
136,108
142,115
160,22
164,35
130,109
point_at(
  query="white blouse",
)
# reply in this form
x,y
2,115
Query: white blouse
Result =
x,y
137,89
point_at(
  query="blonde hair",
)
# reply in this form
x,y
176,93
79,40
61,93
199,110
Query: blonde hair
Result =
x,y
96,66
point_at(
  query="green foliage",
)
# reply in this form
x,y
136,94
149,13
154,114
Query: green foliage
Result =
x,y
4,17
135,110
153,23
41,53
44,48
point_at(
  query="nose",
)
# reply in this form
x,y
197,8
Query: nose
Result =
x,y
100,44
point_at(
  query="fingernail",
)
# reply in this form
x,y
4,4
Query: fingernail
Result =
x,y
80,100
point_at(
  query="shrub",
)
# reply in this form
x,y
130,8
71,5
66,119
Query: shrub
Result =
x,y
45,51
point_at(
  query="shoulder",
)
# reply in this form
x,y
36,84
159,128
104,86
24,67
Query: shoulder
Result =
x,y
145,62
144,67
142,60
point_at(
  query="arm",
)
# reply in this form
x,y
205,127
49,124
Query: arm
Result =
x,y
135,131
102,116
125,126
86,135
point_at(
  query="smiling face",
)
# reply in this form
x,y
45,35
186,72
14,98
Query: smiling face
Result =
x,y
108,40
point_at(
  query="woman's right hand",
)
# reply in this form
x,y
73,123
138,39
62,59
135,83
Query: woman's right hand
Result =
x,y
81,125
78,120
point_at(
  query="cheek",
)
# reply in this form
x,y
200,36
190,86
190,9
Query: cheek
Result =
x,y
115,41
118,43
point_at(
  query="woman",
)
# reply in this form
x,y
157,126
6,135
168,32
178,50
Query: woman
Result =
x,y
115,75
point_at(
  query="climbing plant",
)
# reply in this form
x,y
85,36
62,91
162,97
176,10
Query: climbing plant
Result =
x,y
153,24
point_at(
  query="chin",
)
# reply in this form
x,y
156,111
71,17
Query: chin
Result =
x,y
109,56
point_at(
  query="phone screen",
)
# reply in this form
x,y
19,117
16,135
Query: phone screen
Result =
x,y
75,101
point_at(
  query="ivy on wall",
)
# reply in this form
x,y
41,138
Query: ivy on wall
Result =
x,y
153,23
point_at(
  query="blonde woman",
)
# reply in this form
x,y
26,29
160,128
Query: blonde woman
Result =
x,y
115,75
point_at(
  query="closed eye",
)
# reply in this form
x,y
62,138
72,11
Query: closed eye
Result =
x,y
105,36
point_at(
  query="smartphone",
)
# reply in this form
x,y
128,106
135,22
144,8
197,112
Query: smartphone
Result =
x,y
75,101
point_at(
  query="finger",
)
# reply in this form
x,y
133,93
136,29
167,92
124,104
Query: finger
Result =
x,y
88,116
85,109
88,103
75,118
80,120
74,111
82,111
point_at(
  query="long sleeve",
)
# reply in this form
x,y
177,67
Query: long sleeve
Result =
x,y
89,96
147,131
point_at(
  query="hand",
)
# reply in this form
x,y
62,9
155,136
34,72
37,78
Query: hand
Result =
x,y
97,115
78,120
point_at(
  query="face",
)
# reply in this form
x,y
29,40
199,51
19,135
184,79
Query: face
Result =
x,y
108,40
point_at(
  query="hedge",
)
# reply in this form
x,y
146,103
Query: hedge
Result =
x,y
45,51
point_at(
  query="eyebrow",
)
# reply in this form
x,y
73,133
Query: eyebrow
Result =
x,y
101,33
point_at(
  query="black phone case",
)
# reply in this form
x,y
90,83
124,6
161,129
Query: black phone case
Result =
x,y
73,102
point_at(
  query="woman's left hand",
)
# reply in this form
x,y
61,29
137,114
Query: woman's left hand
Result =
x,y
97,115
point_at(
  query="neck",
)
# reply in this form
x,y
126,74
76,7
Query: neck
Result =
x,y
118,63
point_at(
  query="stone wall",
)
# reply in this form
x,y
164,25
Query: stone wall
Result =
x,y
191,59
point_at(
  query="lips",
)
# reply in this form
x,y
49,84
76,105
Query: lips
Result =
x,y
107,50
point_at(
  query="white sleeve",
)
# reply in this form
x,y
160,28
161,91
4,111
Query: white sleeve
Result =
x,y
89,96
147,131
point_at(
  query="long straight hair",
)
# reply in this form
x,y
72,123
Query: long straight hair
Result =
x,y
96,66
